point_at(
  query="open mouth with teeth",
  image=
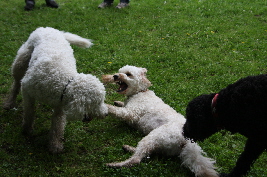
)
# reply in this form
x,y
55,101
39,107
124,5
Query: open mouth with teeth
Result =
x,y
122,86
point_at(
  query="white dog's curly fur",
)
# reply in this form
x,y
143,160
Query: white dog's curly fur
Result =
x,y
45,69
161,124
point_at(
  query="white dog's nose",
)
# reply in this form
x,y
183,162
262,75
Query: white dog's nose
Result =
x,y
115,77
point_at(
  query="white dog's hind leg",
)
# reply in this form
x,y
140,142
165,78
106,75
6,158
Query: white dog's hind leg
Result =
x,y
58,123
192,157
11,100
28,118
129,148
19,68
127,163
144,148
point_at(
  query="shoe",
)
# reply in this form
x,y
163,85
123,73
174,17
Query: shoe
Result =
x,y
51,3
122,5
104,4
29,5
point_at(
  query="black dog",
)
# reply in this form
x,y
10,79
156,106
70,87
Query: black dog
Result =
x,y
239,108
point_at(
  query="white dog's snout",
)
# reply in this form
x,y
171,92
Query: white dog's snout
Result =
x,y
116,77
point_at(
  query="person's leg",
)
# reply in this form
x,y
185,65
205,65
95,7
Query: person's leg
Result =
x,y
106,3
51,3
123,3
29,4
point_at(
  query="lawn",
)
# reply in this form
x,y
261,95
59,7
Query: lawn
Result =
x,y
190,47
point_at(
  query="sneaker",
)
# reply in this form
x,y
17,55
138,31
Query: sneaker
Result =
x,y
51,3
29,5
122,5
104,4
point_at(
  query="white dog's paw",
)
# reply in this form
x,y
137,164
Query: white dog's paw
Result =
x,y
114,165
128,148
118,103
56,147
127,163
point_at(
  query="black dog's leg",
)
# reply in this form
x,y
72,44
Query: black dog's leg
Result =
x,y
253,149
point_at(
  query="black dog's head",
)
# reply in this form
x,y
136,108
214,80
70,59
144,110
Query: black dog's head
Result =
x,y
200,123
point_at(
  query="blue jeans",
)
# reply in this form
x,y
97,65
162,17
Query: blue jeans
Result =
x,y
122,1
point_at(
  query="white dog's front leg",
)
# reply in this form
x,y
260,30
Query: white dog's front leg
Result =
x,y
121,112
119,103
58,123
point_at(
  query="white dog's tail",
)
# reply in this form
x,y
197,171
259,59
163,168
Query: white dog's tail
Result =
x,y
192,157
77,40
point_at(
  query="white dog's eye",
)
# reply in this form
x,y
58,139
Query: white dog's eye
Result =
x,y
128,74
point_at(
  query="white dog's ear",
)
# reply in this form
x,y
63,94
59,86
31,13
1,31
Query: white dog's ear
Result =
x,y
146,82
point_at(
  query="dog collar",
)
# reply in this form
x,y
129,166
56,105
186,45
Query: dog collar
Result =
x,y
214,111
64,90
213,105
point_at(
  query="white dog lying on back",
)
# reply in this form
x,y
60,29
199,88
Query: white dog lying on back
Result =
x,y
161,124
45,69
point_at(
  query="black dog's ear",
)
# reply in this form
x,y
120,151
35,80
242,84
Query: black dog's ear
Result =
x,y
200,123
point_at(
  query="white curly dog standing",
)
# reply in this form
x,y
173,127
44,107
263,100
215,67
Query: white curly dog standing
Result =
x,y
45,70
161,124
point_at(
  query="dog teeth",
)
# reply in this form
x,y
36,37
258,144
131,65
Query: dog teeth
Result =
x,y
119,82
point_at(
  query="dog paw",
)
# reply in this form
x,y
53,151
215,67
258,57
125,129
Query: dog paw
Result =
x,y
56,150
113,165
127,163
119,165
128,148
56,147
118,103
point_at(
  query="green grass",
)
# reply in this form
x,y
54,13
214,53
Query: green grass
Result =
x,y
190,47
